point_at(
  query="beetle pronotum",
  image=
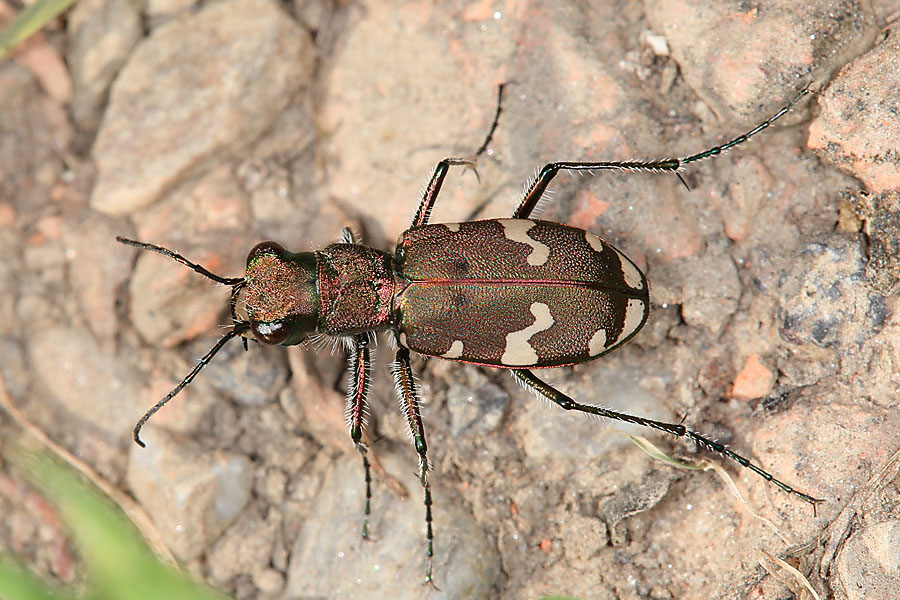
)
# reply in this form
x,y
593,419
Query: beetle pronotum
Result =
x,y
554,295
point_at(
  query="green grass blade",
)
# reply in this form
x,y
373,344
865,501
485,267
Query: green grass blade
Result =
x,y
119,562
16,583
657,454
31,19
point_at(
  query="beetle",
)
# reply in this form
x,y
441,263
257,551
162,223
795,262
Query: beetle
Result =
x,y
517,294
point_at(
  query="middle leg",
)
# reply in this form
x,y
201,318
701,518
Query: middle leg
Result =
x,y
409,404
670,165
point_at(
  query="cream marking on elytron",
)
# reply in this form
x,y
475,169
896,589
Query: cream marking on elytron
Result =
x,y
595,242
454,227
634,316
597,343
517,231
629,271
518,351
455,351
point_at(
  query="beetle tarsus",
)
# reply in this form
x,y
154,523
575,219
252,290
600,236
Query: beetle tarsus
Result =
x,y
409,404
487,140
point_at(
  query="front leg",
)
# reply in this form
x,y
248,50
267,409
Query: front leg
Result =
x,y
409,404
358,375
434,188
440,171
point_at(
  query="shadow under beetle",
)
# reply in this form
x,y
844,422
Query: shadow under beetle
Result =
x,y
515,294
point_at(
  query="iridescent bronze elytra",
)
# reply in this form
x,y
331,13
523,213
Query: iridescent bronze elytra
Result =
x,y
515,294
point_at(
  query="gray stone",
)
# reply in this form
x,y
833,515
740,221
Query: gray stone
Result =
x,y
195,86
161,11
88,381
476,406
101,36
824,299
868,567
192,495
331,559
12,366
245,547
711,290
550,432
97,267
252,378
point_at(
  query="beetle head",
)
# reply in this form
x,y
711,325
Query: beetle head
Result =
x,y
278,297
276,302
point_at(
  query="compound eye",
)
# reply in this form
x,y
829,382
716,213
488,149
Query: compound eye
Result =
x,y
264,248
272,333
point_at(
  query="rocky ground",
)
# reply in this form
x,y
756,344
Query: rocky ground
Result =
x,y
208,127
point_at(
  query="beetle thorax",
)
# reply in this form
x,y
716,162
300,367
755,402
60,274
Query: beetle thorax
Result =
x,y
356,286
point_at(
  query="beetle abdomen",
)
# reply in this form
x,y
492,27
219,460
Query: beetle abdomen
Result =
x,y
515,293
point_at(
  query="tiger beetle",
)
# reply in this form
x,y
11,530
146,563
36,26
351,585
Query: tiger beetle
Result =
x,y
517,294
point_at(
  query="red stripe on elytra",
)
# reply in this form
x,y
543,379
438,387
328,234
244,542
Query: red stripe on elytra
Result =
x,y
592,285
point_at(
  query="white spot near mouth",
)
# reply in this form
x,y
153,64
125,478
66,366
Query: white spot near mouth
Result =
x,y
517,231
455,351
518,351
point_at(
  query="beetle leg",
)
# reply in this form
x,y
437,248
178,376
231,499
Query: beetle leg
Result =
x,y
434,187
357,410
487,140
537,188
673,165
409,404
440,171
347,236
528,379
